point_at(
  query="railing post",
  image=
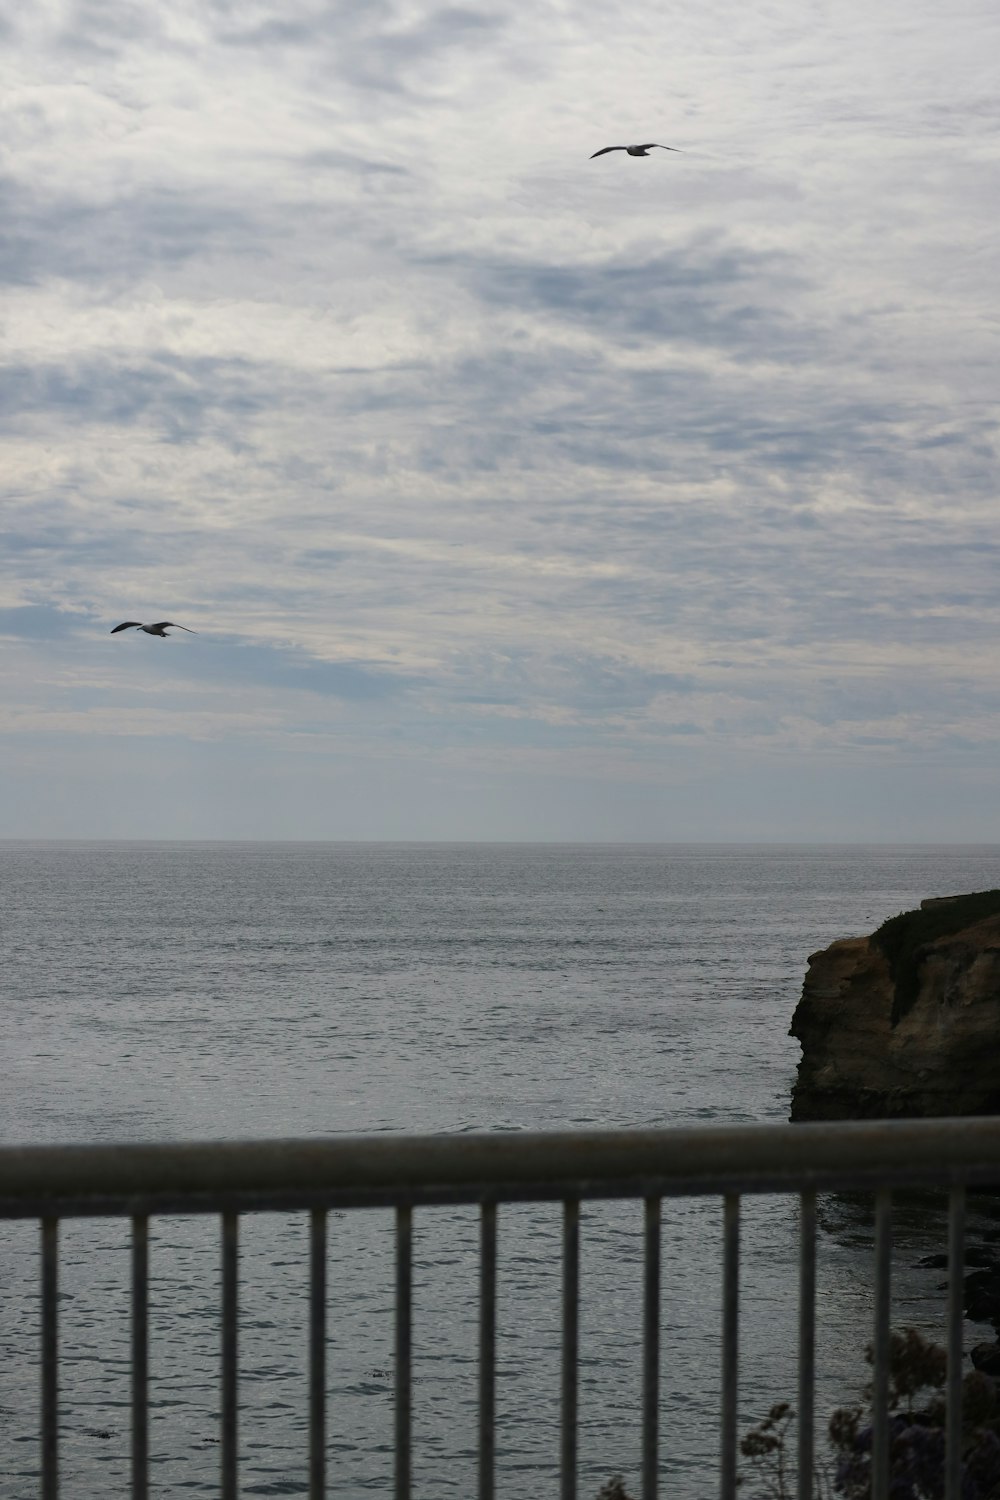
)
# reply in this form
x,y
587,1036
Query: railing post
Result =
x,y
487,1349
651,1349
404,1353
807,1342
140,1356
50,1358
317,1354
570,1347
956,1314
230,1409
880,1394
730,1341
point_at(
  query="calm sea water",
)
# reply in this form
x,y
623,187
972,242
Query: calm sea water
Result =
x,y
179,991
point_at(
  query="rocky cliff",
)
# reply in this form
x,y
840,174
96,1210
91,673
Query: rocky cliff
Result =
x,y
906,1021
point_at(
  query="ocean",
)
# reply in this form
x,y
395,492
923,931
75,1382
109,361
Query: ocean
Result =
x,y
177,991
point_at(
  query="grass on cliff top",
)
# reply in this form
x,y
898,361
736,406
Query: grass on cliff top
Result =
x,y
902,937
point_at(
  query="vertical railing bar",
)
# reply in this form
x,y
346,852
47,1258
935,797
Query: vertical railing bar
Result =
x,y
956,1313
50,1358
880,1393
230,1252
487,1349
140,1356
570,1347
317,1354
651,1349
807,1342
404,1350
730,1341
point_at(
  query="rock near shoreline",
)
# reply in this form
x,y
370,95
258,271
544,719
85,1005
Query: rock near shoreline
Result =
x,y
906,1022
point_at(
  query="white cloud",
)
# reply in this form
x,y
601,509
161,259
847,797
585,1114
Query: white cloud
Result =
x,y
325,336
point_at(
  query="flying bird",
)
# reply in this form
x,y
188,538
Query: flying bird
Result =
x,y
160,628
637,150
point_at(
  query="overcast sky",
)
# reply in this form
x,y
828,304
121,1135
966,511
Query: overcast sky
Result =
x,y
511,494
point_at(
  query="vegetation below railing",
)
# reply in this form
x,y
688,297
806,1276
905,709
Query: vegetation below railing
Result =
x,y
614,1489
917,1368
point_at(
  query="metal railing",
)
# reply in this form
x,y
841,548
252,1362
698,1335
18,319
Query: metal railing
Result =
x,y
403,1172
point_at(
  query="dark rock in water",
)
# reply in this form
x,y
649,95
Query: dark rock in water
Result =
x,y
982,1296
905,1023
983,1307
987,1280
975,1255
986,1357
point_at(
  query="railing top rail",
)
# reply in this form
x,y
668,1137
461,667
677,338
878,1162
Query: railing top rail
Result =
x,y
500,1165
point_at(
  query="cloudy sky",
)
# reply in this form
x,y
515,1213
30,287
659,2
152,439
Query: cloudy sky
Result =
x,y
511,494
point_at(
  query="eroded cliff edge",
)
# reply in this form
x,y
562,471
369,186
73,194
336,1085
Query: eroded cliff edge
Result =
x,y
905,1022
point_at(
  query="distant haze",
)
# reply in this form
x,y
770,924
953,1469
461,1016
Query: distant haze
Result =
x,y
511,494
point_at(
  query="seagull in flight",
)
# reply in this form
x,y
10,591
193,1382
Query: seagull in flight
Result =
x,y
159,629
637,150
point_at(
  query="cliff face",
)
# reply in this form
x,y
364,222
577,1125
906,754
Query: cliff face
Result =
x,y
905,1022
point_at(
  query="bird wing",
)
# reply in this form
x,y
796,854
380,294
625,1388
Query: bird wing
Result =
x,y
605,149
650,144
169,624
127,625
